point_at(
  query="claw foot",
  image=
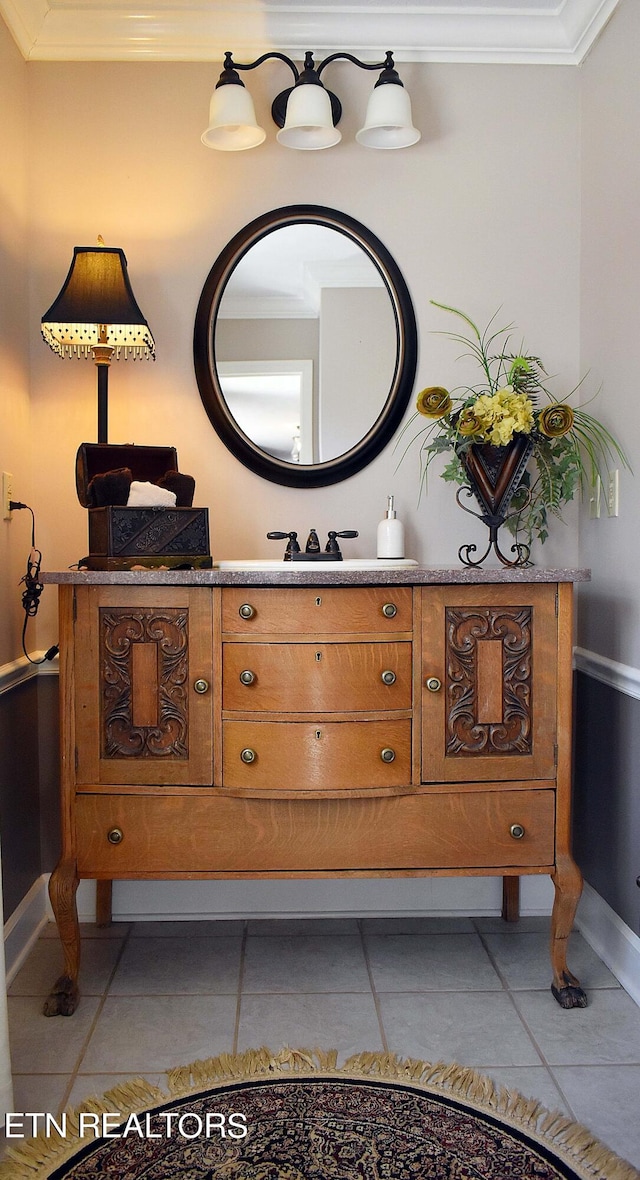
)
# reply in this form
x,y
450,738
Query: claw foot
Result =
x,y
571,995
62,999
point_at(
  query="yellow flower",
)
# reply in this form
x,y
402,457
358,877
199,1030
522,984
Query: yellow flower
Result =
x,y
469,423
503,431
556,420
503,414
434,402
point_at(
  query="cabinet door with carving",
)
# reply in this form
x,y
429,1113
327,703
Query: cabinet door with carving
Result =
x,y
489,683
143,685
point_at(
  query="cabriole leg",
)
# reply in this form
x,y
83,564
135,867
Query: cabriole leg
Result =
x,y
64,996
567,880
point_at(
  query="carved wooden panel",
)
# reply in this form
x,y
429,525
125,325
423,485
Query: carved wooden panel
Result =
x,y
144,666
489,680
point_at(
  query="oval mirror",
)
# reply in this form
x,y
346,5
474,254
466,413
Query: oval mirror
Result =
x,y
305,346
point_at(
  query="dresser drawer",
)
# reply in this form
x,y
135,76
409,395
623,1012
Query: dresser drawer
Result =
x,y
316,677
317,610
200,835
303,756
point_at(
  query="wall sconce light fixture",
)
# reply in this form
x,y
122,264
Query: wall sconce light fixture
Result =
x,y
96,313
307,114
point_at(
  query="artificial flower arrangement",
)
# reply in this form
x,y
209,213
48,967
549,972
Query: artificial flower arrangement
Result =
x,y
570,448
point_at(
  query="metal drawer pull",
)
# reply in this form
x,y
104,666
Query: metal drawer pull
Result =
x,y
387,755
388,677
248,755
517,831
247,677
390,610
246,611
115,836
201,686
433,684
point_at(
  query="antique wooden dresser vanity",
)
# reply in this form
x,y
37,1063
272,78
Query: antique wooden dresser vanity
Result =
x,y
307,722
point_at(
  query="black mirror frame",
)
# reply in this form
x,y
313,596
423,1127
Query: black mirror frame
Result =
x,y
278,471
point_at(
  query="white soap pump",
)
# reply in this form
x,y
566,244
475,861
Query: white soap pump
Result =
x,y
390,534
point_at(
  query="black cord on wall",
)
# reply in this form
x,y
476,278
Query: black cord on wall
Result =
x,y
33,587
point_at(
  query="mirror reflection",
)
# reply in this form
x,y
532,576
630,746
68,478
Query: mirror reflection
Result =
x,y
305,343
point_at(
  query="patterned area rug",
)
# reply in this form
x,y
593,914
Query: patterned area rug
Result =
x,y
297,1116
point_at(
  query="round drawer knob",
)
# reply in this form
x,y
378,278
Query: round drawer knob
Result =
x,y
390,610
387,755
115,836
248,755
517,831
201,686
433,684
388,677
246,611
247,677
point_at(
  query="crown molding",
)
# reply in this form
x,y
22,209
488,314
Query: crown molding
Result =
x,y
540,32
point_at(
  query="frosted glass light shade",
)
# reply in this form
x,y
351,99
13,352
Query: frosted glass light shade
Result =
x,y
388,123
233,126
309,123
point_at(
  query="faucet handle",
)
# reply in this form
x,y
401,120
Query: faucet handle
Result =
x,y
292,545
332,544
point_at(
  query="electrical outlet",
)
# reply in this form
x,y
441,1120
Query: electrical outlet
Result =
x,y
594,499
7,494
613,493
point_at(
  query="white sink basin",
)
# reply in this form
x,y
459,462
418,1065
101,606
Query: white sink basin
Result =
x,y
348,563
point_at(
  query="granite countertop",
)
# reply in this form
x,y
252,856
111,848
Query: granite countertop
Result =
x,y
309,574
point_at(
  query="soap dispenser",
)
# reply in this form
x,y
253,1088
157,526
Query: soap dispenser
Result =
x,y
390,534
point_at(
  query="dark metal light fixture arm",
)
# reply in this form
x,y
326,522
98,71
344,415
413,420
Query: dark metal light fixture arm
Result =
x,y
387,64
230,64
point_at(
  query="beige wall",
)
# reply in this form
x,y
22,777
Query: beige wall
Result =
x,y
483,213
15,431
610,606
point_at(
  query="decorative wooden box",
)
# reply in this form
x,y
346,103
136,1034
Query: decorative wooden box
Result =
x,y
121,537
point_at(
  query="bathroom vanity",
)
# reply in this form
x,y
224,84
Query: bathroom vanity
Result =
x,y
315,722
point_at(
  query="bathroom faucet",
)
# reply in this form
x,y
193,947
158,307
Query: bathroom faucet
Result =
x,y
312,551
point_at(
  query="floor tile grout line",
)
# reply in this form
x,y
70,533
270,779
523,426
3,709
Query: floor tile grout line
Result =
x,y
243,957
543,1058
525,1024
101,1003
376,1001
494,962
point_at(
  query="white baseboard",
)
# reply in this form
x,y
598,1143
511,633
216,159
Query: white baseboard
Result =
x,y
140,901
23,928
611,939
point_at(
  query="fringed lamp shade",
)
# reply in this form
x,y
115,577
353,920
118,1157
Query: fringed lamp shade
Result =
x,y
96,314
97,306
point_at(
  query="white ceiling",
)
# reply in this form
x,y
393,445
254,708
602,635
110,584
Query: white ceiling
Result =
x,y
535,31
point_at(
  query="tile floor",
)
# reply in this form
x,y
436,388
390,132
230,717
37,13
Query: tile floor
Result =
x,y
475,991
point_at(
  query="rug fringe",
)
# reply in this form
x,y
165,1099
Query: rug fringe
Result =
x,y
35,1158
575,1143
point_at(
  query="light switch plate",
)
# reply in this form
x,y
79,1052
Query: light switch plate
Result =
x,y
595,498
